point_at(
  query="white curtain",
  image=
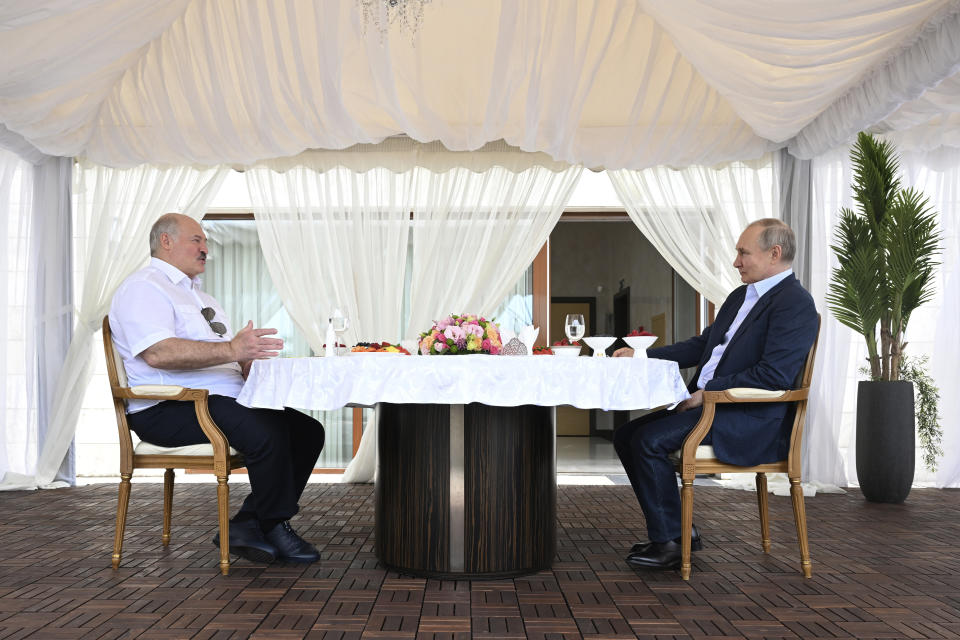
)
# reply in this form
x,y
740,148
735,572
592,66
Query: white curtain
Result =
x,y
693,216
335,229
894,89
931,332
113,214
478,235
18,389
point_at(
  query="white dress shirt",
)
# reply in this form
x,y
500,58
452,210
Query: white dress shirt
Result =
x,y
160,302
754,292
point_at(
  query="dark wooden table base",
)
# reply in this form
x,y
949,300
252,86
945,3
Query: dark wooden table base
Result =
x,y
466,490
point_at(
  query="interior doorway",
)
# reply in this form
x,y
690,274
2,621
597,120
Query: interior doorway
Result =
x,y
572,421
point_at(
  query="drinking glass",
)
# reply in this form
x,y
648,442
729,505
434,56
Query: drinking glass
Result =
x,y
340,323
574,327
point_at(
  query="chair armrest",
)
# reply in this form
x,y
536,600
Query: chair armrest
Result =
x,y
221,446
748,394
688,452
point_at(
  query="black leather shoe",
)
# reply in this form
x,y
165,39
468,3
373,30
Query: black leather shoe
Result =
x,y
659,555
247,541
291,547
696,543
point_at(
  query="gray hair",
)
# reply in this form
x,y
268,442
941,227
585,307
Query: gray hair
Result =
x,y
168,223
777,232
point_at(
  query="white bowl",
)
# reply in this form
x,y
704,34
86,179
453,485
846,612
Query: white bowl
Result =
x,y
599,344
568,350
640,344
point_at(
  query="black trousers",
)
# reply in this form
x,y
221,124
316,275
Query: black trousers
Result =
x,y
280,447
644,446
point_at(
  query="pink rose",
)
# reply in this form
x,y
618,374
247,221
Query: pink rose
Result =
x,y
494,350
485,345
439,346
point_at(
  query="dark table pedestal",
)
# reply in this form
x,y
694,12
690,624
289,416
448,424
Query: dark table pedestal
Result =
x,y
466,491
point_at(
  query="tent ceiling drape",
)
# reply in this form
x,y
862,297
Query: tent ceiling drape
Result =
x,y
617,84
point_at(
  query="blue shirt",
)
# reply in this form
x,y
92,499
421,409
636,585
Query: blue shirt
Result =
x,y
754,291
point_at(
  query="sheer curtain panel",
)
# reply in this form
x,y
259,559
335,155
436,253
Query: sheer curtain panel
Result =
x,y
114,209
693,216
18,390
335,229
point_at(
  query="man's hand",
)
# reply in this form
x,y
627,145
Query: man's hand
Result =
x,y
252,344
623,352
179,353
694,401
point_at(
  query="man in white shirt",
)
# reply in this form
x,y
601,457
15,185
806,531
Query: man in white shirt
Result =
x,y
760,339
168,331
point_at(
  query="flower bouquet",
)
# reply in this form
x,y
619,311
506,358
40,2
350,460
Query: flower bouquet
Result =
x,y
459,334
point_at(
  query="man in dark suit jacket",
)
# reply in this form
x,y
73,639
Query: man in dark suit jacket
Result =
x,y
760,339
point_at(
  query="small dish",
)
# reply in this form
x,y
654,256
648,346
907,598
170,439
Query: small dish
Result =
x,y
640,344
568,350
599,344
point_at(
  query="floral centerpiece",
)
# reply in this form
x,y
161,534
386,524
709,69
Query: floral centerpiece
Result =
x,y
459,334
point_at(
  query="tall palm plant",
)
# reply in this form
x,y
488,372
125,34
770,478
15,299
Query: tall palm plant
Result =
x,y
886,250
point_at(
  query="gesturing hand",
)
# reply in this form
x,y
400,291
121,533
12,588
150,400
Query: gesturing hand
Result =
x,y
253,344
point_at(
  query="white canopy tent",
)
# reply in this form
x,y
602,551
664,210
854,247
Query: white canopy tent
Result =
x,y
614,84
609,83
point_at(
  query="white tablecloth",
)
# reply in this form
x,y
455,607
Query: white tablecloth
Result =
x,y
366,379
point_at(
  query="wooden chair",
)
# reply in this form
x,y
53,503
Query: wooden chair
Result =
x,y
217,456
693,458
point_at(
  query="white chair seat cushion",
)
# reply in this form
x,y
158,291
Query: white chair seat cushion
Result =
x,y
146,448
704,452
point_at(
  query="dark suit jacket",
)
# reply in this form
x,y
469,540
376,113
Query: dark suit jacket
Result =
x,y
767,352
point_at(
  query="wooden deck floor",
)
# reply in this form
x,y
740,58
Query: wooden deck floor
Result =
x,y
880,571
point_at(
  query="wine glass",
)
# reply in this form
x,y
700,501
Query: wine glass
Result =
x,y
573,326
340,323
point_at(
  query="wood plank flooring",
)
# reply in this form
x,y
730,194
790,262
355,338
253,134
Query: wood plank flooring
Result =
x,y
880,571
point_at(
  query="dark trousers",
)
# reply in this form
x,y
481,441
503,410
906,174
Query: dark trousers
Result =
x,y
280,448
644,446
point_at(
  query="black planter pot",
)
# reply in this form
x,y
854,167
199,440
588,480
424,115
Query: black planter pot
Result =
x,y
885,440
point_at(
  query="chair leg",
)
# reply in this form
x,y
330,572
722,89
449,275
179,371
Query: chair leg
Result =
x,y
123,500
764,512
167,504
223,514
686,524
800,517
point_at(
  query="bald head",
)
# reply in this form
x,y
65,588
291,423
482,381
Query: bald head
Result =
x,y
179,240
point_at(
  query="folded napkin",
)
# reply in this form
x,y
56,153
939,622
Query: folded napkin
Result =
x,y
528,336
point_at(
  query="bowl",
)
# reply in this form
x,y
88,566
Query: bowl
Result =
x,y
640,344
568,350
599,344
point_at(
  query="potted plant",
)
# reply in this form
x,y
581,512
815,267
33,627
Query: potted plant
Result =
x,y
886,250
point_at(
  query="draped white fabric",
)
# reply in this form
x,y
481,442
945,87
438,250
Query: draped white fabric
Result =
x,y
693,216
18,392
113,214
929,122
203,82
478,235
914,67
931,332
335,229
336,239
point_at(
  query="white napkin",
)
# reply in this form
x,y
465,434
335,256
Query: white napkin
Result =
x,y
506,335
528,336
